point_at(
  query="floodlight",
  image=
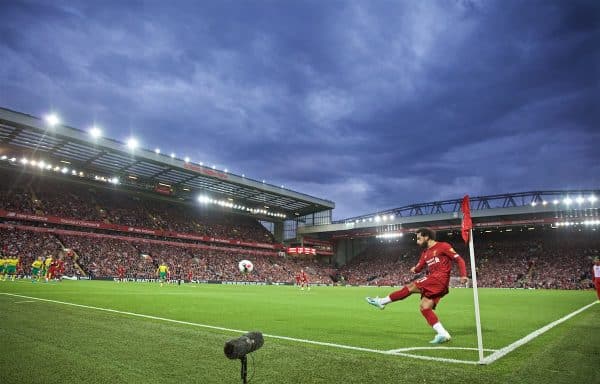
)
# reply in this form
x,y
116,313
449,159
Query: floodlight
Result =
x,y
132,143
592,199
52,119
95,132
567,201
186,159
580,200
157,151
172,155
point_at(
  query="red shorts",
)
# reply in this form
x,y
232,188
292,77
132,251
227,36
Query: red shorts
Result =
x,y
432,288
597,284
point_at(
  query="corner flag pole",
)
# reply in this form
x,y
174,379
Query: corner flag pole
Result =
x,y
467,235
475,297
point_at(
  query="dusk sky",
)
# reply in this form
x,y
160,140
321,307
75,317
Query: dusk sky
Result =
x,y
371,104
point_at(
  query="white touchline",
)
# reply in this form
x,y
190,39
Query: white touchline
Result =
x,y
393,352
509,348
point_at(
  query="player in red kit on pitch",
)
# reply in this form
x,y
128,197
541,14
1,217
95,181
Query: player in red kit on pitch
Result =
x,y
60,269
304,280
596,275
438,257
190,276
120,273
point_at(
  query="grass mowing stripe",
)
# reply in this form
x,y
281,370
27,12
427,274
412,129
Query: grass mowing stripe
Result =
x,y
395,353
509,348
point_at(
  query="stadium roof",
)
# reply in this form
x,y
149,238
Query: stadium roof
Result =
x,y
29,135
554,206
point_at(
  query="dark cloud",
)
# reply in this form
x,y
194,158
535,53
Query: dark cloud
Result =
x,y
372,105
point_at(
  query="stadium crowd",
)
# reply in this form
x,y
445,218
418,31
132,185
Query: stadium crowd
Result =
x,y
516,260
53,197
550,258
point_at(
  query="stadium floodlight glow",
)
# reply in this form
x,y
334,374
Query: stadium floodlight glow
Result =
x,y
377,218
172,155
65,170
4,157
13,159
555,202
52,120
533,203
95,132
226,170
33,162
567,201
580,200
544,202
592,199
157,151
41,164
186,159
214,167
24,161
132,143
204,199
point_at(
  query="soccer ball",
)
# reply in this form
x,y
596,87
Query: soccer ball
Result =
x,y
245,266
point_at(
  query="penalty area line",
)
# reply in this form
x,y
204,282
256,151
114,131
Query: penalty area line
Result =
x,y
509,348
304,341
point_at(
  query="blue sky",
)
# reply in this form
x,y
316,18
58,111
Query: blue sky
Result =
x,y
371,104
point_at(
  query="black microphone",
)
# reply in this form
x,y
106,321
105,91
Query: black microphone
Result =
x,y
240,347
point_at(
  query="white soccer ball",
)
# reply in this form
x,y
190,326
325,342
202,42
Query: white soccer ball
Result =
x,y
245,266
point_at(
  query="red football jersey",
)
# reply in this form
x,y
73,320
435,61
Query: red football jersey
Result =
x,y
439,261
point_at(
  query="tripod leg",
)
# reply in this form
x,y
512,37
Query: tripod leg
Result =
x,y
244,361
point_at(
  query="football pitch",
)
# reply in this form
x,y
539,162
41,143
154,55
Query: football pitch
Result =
x,y
107,332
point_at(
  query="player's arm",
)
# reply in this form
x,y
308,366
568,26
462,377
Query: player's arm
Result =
x,y
462,267
420,265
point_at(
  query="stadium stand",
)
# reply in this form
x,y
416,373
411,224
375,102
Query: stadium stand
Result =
x,y
550,259
544,258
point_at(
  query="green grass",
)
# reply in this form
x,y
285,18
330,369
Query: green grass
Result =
x,y
48,342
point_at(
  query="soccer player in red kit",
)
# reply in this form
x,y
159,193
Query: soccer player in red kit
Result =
x,y
60,269
121,273
190,276
596,275
304,280
438,257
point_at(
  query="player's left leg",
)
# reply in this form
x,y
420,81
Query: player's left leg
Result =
x,y
597,283
427,305
400,294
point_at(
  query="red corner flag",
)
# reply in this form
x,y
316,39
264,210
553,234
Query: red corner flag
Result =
x,y
467,223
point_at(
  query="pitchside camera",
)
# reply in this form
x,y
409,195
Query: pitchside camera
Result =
x,y
240,347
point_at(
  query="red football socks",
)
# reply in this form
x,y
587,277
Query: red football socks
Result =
x,y
430,316
399,295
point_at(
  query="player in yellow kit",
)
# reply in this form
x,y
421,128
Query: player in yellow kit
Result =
x,y
35,269
3,266
162,272
46,269
11,268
